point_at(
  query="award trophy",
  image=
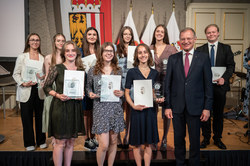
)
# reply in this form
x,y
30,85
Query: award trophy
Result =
x,y
158,90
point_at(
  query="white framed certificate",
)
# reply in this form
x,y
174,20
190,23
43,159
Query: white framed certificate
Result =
x,y
30,70
109,84
89,61
73,83
143,93
217,72
130,58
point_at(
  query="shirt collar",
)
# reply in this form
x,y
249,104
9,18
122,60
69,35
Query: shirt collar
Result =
x,y
191,52
215,44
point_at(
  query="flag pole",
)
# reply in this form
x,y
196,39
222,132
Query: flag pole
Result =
x,y
131,5
173,6
152,9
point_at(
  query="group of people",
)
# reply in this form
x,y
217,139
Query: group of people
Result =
x,y
189,95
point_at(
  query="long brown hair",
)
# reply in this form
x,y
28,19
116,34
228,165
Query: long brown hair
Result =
x,y
53,59
85,43
78,61
27,46
100,63
150,57
165,39
121,46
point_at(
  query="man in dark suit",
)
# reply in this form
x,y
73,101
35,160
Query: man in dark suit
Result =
x,y
189,96
221,56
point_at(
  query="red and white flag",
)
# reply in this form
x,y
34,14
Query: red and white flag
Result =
x,y
173,32
78,15
149,31
130,22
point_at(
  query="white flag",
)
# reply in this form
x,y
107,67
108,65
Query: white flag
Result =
x,y
173,30
149,31
130,22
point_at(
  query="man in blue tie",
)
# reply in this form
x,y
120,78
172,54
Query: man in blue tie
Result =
x,y
221,55
189,96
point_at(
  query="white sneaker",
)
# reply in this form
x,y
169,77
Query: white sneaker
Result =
x,y
30,148
43,146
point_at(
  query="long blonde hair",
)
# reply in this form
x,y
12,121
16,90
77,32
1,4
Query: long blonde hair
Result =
x,y
53,58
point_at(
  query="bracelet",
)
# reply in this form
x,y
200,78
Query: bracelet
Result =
x,y
55,95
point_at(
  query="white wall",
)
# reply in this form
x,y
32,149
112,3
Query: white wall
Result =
x,y
12,28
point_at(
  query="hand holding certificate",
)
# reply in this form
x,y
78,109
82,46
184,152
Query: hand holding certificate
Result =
x,y
217,73
30,70
143,93
110,88
73,86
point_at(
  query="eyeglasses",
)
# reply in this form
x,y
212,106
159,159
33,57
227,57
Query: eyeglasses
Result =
x,y
33,40
109,51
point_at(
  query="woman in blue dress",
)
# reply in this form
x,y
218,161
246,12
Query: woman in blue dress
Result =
x,y
143,130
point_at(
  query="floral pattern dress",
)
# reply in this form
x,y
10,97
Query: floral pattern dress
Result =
x,y
107,116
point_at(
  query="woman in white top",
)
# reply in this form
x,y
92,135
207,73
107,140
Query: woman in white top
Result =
x,y
29,94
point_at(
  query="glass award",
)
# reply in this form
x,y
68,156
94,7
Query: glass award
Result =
x,y
29,74
72,87
158,90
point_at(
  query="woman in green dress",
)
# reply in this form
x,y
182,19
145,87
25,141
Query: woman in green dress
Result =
x,y
66,117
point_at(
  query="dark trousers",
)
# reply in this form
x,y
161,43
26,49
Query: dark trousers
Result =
x,y
193,124
27,108
218,109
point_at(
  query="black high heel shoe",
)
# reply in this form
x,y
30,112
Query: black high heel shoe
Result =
x,y
125,146
119,146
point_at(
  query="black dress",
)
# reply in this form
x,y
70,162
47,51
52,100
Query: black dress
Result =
x,y
66,117
143,129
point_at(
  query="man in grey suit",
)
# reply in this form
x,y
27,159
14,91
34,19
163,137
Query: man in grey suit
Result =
x,y
220,55
189,96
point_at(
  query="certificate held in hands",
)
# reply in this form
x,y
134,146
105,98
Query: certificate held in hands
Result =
x,y
30,70
73,84
109,84
217,72
143,93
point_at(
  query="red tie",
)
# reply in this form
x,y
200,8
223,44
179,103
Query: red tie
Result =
x,y
186,67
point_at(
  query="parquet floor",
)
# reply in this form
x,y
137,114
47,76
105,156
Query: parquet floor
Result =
x,y
11,128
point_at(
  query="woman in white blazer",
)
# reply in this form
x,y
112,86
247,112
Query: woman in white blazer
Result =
x,y
29,94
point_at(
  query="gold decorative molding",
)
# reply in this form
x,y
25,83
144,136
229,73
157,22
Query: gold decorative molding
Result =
x,y
195,20
224,25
